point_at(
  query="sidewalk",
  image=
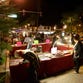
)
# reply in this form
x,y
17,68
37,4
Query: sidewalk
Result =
x,y
66,77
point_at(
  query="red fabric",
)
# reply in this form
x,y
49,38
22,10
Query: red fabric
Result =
x,y
59,64
45,47
63,47
42,69
19,73
14,48
47,67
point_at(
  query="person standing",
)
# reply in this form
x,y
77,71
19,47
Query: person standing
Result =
x,y
34,66
54,39
77,52
29,41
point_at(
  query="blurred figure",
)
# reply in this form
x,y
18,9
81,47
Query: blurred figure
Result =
x,y
42,37
58,40
38,37
54,39
77,52
72,40
34,65
29,41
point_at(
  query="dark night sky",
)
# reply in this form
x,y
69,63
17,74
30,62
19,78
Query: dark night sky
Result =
x,y
52,10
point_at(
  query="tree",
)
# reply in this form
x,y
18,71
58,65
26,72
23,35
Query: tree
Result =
x,y
6,22
71,20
